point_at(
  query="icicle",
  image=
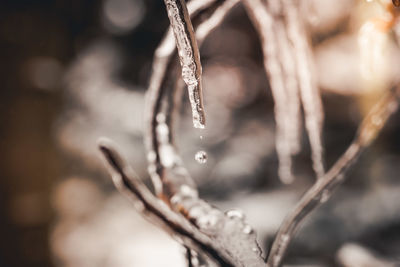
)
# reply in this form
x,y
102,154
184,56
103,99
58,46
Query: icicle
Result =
x,y
263,21
310,97
293,121
189,56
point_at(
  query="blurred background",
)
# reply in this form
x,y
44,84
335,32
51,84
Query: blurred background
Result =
x,y
72,71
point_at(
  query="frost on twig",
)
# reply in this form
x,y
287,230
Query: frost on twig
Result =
x,y
324,187
189,56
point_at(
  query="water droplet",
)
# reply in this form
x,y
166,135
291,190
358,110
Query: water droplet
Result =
x,y
247,229
396,2
235,214
201,157
201,137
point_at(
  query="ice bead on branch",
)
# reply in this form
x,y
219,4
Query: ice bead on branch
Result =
x,y
189,57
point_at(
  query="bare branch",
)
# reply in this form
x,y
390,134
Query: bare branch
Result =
x,y
324,187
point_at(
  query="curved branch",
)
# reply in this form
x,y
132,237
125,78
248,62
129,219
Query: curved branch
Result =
x,y
323,188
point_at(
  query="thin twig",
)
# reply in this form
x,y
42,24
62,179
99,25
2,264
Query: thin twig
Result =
x,y
324,187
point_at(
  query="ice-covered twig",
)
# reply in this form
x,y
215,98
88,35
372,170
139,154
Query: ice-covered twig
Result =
x,y
189,56
324,187
165,166
164,162
286,55
263,21
155,210
309,92
288,63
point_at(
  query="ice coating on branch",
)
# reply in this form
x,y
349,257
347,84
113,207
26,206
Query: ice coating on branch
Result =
x,y
293,123
189,57
309,93
228,230
284,91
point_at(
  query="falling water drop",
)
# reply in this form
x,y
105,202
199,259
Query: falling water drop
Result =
x,y
201,157
396,3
